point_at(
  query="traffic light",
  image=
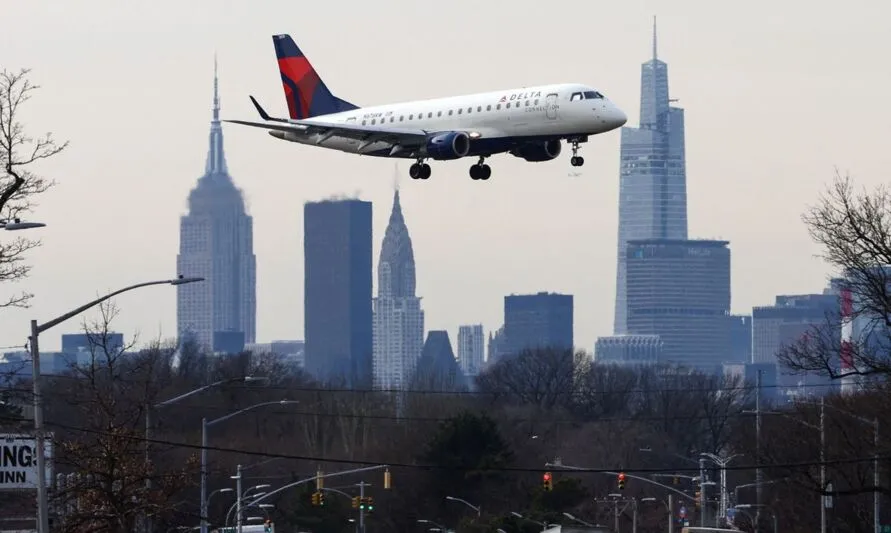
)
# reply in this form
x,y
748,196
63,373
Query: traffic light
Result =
x,y
356,502
621,479
387,479
547,482
675,480
369,502
315,498
267,526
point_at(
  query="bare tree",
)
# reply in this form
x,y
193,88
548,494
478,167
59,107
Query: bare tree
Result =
x,y
19,185
543,377
104,450
854,229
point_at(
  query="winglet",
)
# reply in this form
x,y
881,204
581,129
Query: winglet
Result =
x,y
263,114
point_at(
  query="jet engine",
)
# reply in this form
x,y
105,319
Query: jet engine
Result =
x,y
448,145
539,151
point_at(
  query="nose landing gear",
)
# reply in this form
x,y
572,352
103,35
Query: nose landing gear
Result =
x,y
576,160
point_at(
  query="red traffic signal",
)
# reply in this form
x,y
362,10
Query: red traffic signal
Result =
x,y
547,476
621,479
546,482
622,476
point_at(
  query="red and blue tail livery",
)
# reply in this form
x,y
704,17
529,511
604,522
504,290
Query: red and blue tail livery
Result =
x,y
530,123
306,93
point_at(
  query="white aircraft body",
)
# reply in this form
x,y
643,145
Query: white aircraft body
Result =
x,y
530,123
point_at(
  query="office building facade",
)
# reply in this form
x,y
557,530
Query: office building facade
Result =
x,y
337,255
533,321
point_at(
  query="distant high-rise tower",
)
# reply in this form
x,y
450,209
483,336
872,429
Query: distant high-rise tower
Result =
x,y
653,175
398,318
337,291
470,349
216,243
533,321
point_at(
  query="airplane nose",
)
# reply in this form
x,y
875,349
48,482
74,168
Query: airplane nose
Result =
x,y
618,117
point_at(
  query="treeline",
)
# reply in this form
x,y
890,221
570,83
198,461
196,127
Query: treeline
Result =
x,y
488,446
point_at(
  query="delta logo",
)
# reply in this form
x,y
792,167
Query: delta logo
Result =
x,y
519,96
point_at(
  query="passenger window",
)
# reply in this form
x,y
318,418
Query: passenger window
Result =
x,y
430,114
536,101
401,118
411,117
479,108
460,110
363,122
373,121
469,109
575,97
450,112
489,107
439,113
498,106
392,119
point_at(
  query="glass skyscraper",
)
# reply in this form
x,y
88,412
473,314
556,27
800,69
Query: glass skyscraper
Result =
x,y
653,178
216,243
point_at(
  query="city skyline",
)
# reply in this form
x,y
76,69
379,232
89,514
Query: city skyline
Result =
x,y
509,222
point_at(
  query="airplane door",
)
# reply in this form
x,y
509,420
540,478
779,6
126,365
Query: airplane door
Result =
x,y
551,106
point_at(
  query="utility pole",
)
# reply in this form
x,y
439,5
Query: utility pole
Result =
x,y
875,477
823,496
238,501
616,514
633,515
361,486
702,498
758,475
670,513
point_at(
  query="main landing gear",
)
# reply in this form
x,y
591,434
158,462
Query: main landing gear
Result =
x,y
576,160
480,171
419,170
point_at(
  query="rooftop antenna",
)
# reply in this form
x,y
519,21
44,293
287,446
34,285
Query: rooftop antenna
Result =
x,y
654,38
396,176
216,90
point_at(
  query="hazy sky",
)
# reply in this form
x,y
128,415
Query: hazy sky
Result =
x,y
776,94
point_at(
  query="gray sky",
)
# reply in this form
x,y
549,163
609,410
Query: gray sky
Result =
x,y
776,95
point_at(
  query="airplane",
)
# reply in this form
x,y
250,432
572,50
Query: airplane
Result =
x,y
530,122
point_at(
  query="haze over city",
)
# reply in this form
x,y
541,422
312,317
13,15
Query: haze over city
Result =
x,y
775,96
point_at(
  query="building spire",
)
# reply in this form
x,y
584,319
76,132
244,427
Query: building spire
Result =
x,y
655,56
216,159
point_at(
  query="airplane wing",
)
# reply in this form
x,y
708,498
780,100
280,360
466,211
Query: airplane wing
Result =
x,y
367,134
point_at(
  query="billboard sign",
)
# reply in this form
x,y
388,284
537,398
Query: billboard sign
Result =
x,y
18,461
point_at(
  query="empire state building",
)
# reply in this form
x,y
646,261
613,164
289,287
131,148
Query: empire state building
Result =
x,y
216,243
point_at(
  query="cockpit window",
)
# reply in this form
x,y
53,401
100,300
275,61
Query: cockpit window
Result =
x,y
575,96
592,95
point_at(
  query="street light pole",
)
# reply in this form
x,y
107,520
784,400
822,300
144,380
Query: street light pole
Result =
x,y
165,403
39,437
478,509
204,426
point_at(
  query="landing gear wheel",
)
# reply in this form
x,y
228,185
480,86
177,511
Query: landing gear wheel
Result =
x,y
480,171
576,160
419,171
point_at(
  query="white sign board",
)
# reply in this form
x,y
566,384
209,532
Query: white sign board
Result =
x,y
18,462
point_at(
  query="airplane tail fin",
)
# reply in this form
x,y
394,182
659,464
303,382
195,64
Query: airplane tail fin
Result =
x,y
306,93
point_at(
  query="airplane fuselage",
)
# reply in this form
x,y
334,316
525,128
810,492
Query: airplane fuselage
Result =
x,y
495,121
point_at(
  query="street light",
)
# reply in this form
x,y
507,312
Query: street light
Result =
x,y
36,330
205,424
243,497
722,462
212,494
467,503
171,401
432,523
579,520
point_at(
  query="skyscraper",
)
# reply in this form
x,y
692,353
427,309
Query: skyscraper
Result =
x,y
216,243
337,291
533,321
398,318
653,175
470,349
680,291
